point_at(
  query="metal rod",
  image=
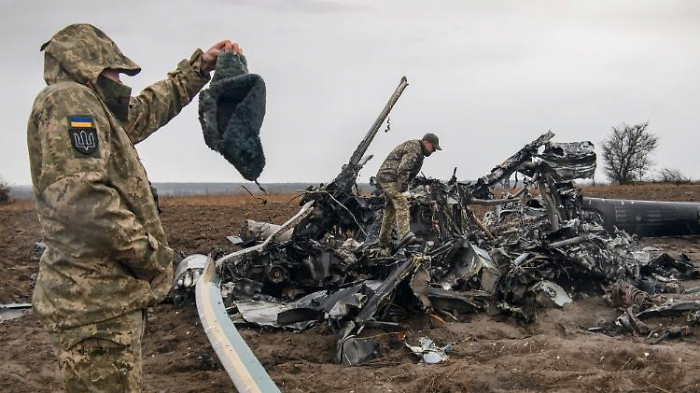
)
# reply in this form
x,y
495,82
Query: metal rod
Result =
x,y
355,159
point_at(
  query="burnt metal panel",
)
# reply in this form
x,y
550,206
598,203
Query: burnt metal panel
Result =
x,y
647,218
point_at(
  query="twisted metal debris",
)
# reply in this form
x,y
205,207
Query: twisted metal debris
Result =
x,y
540,244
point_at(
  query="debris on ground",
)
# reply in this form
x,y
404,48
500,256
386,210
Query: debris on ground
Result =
x,y
539,245
430,353
13,310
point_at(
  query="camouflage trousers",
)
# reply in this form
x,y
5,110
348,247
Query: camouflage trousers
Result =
x,y
101,357
395,212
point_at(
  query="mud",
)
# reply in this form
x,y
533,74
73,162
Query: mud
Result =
x,y
554,354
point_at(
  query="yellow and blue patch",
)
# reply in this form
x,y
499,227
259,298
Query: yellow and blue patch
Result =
x,y
81,122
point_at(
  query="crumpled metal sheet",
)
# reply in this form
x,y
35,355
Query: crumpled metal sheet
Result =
x,y
568,161
14,310
549,294
669,309
352,350
430,353
260,312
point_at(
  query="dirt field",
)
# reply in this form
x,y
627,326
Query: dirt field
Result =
x,y
554,354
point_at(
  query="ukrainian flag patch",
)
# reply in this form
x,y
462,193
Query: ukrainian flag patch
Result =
x,y
81,122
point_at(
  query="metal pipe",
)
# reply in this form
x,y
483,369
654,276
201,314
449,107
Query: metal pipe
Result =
x,y
567,242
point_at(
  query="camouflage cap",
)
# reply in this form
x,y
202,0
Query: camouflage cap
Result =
x,y
433,139
83,51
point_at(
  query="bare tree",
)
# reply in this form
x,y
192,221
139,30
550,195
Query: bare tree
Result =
x,y
669,175
626,153
4,192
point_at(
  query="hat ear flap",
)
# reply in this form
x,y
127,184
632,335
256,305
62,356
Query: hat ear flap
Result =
x,y
231,113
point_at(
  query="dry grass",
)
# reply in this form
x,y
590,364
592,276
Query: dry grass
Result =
x,y
646,191
229,200
18,204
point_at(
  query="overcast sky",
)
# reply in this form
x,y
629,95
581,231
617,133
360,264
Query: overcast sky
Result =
x,y
486,76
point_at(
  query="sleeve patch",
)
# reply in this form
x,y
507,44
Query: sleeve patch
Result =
x,y
83,136
81,122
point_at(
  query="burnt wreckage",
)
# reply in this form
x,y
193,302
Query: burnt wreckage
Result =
x,y
539,244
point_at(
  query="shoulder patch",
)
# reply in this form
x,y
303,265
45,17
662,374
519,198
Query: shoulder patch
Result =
x,y
81,122
83,136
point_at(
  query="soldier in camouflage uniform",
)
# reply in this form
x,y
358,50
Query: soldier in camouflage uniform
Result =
x,y
107,257
394,176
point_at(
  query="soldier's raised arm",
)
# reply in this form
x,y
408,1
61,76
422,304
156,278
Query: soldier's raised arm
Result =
x,y
163,100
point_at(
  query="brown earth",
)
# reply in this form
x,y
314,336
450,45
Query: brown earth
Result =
x,y
554,354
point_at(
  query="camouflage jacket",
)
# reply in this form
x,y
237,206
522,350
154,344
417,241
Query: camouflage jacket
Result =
x,y
402,164
107,254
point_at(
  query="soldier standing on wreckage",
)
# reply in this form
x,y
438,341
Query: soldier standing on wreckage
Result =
x,y
107,257
394,176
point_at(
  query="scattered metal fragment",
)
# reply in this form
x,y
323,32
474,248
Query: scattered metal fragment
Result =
x,y
353,350
14,310
235,240
621,294
549,294
38,250
669,309
430,353
186,275
674,332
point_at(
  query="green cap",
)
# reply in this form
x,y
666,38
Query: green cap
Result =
x,y
433,139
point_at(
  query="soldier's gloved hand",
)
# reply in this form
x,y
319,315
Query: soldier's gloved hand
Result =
x,y
186,276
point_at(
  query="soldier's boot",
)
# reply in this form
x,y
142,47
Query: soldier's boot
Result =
x,y
384,252
408,238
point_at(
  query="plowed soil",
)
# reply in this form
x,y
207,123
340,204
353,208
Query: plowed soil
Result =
x,y
492,354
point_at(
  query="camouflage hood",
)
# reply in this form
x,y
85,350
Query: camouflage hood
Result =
x,y
80,53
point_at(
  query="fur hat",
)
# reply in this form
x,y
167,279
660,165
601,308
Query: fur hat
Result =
x,y
231,112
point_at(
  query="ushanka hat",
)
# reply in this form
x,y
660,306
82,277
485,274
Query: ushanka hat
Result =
x,y
231,112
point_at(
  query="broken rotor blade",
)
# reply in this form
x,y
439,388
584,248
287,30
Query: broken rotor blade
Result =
x,y
241,365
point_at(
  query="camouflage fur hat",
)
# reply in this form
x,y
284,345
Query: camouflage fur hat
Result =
x,y
231,112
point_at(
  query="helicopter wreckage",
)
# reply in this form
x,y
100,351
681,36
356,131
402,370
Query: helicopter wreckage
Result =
x,y
539,244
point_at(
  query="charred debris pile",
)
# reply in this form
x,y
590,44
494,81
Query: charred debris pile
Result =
x,y
537,246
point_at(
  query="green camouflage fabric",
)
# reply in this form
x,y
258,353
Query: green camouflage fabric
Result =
x,y
107,253
108,361
402,164
396,211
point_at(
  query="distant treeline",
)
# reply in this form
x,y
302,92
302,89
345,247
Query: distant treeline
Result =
x,y
195,189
